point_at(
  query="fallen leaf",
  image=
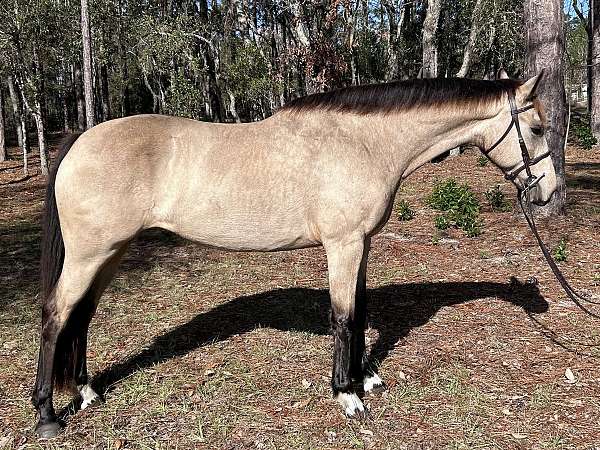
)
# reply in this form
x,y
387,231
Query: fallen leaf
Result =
x,y
570,376
301,404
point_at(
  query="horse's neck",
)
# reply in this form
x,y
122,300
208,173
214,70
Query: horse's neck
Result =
x,y
409,140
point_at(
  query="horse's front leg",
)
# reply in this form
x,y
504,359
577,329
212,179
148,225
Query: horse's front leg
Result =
x,y
362,371
344,258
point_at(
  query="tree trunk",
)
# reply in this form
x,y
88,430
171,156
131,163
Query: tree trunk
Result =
x,y
39,113
41,132
65,112
104,93
20,122
430,51
88,76
594,85
3,154
78,85
125,108
545,50
466,64
232,107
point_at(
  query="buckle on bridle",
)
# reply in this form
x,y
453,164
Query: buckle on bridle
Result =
x,y
531,182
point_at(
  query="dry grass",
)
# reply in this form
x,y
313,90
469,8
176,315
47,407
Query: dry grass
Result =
x,y
196,348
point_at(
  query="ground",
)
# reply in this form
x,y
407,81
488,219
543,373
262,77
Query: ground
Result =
x,y
197,348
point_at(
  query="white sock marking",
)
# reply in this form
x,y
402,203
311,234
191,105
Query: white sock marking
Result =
x,y
371,382
88,395
351,403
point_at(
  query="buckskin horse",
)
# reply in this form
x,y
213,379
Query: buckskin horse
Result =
x,y
323,170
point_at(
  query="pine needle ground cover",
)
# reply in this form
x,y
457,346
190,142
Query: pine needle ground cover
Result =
x,y
196,348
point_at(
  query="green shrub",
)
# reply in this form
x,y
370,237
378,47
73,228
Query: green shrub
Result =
x,y
560,251
405,212
581,133
482,161
496,199
441,222
459,205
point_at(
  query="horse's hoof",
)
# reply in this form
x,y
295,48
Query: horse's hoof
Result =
x,y
89,398
372,384
353,406
90,403
48,430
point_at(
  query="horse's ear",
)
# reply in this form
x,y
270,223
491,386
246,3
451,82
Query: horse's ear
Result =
x,y
529,89
502,75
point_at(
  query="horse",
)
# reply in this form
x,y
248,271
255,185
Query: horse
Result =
x,y
322,171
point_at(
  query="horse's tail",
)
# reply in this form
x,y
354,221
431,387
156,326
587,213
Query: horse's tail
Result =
x,y
51,264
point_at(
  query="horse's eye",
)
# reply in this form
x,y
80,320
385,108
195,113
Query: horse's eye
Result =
x,y
538,131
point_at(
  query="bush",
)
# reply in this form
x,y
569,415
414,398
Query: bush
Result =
x,y
405,212
581,133
496,199
441,222
560,251
459,205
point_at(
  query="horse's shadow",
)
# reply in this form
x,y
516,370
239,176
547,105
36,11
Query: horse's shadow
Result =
x,y
394,310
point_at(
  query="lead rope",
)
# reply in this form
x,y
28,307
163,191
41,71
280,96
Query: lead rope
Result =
x,y
573,295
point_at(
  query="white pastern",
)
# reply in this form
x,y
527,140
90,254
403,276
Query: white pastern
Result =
x,y
351,403
89,397
372,382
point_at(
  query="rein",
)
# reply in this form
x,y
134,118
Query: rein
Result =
x,y
525,201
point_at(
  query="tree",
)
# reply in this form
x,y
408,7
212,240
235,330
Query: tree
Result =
x,y
20,121
3,154
88,87
594,88
470,48
546,50
430,51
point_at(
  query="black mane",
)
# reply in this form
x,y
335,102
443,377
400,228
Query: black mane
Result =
x,y
404,95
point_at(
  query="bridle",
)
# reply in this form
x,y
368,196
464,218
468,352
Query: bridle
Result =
x,y
525,201
512,175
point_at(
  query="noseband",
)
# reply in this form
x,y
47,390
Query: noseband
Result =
x,y
525,202
511,175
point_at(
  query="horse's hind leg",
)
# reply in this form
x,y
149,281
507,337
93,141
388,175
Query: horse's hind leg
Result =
x,y
88,396
344,259
65,320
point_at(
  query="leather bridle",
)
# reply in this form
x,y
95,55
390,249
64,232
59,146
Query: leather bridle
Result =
x,y
525,201
512,175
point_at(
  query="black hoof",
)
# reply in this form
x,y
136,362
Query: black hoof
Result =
x,y
359,416
48,430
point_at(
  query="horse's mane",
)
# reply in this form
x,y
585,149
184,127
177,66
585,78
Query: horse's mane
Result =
x,y
405,95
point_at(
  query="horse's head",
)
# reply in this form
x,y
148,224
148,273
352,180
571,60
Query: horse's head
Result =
x,y
515,141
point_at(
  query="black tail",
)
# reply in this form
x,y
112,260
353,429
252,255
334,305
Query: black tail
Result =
x,y
53,248
74,333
